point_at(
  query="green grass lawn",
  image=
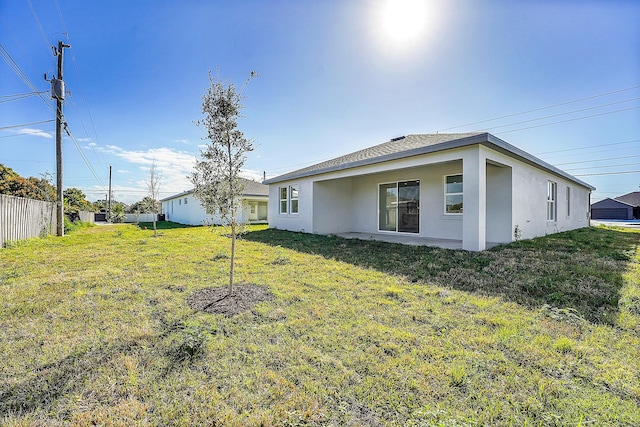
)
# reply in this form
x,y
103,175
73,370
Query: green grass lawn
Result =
x,y
95,330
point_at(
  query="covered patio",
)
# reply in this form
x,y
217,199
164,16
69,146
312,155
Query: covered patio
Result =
x,y
409,239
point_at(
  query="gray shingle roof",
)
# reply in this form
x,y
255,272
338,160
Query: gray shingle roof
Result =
x,y
632,199
251,188
377,153
609,203
414,145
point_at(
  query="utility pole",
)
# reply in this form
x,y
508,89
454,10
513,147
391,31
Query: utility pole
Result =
x,y
109,200
57,91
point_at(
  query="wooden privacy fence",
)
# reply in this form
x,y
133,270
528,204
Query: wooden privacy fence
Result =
x,y
22,218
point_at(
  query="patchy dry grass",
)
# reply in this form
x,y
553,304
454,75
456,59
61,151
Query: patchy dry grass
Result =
x,y
95,330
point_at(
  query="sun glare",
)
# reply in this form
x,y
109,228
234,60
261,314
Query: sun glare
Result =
x,y
404,21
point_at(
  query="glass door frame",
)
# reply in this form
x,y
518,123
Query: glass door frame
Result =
x,y
406,219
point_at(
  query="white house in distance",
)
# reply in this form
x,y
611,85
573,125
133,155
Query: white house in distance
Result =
x,y
470,189
185,208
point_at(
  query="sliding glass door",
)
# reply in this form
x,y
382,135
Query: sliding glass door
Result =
x,y
399,207
388,210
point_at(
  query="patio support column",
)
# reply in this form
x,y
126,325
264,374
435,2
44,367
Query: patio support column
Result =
x,y
474,219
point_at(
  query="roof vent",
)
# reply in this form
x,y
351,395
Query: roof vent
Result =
x,y
398,138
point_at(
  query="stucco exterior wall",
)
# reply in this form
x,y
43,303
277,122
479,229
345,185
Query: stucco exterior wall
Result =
x,y
499,212
509,193
301,221
189,213
529,199
332,206
433,221
192,212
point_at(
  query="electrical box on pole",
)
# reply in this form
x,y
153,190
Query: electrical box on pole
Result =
x,y
57,89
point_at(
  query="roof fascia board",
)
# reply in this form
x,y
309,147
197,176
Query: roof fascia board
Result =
x,y
176,196
617,201
456,143
532,160
486,139
185,193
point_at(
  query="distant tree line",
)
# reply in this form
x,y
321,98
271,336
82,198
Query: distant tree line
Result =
x,y
12,184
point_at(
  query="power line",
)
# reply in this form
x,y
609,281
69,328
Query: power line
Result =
x,y
607,173
17,43
27,124
83,91
594,160
35,15
17,97
541,108
311,162
16,69
83,126
84,158
25,134
603,167
564,114
589,146
569,120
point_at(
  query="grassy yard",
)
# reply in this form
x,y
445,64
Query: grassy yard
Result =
x,y
95,329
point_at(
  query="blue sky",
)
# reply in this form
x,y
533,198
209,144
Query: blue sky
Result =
x,y
558,79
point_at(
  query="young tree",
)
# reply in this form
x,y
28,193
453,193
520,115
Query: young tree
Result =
x,y
153,185
146,205
216,178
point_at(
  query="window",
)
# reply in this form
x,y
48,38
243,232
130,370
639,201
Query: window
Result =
x,y
388,200
288,199
179,201
399,206
293,195
568,201
186,200
552,191
453,194
283,200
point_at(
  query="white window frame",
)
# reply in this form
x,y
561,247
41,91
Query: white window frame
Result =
x,y
290,203
568,196
292,188
285,200
552,201
461,193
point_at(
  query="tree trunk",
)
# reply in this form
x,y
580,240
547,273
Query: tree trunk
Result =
x,y
233,255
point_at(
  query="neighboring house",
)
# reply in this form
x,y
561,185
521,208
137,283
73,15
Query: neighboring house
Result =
x,y
185,208
472,188
625,207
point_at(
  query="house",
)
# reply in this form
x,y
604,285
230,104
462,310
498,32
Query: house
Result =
x,y
624,207
185,208
470,188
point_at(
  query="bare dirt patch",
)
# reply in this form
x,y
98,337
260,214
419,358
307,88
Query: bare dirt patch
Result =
x,y
218,301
